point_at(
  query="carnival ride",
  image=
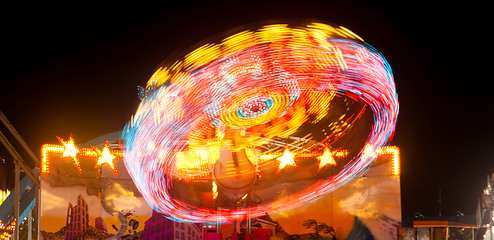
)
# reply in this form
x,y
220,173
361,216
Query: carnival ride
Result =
x,y
262,121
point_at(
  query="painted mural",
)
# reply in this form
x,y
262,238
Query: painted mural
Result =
x,y
87,193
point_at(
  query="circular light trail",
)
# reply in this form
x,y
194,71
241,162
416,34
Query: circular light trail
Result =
x,y
290,113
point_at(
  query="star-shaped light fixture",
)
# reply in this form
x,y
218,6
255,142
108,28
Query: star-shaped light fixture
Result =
x,y
105,156
370,151
286,160
70,150
326,158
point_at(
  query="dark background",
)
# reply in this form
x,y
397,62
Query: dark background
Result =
x,y
75,69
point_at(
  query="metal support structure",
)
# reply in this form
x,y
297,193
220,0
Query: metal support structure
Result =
x,y
38,212
19,139
218,223
248,211
20,164
248,223
17,173
30,225
18,159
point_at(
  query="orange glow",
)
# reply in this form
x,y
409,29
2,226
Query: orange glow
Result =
x,y
70,150
286,159
325,159
335,154
105,156
198,162
7,230
215,190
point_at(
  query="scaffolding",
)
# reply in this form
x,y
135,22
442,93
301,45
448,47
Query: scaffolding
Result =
x,y
14,209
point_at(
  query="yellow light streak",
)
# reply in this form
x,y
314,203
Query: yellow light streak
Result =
x,y
215,190
4,195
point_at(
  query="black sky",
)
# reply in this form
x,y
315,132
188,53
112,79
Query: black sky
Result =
x,y
75,69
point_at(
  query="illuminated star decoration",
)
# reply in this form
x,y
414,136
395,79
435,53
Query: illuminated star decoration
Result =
x,y
105,156
70,150
286,159
326,158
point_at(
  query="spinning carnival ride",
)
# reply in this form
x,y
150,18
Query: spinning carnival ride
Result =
x,y
264,120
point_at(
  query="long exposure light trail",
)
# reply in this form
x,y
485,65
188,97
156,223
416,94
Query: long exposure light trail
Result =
x,y
249,91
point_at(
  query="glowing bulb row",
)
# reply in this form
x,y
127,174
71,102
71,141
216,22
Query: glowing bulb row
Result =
x,y
394,151
188,161
327,158
68,149
190,165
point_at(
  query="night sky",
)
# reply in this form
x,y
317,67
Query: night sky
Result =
x,y
75,69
